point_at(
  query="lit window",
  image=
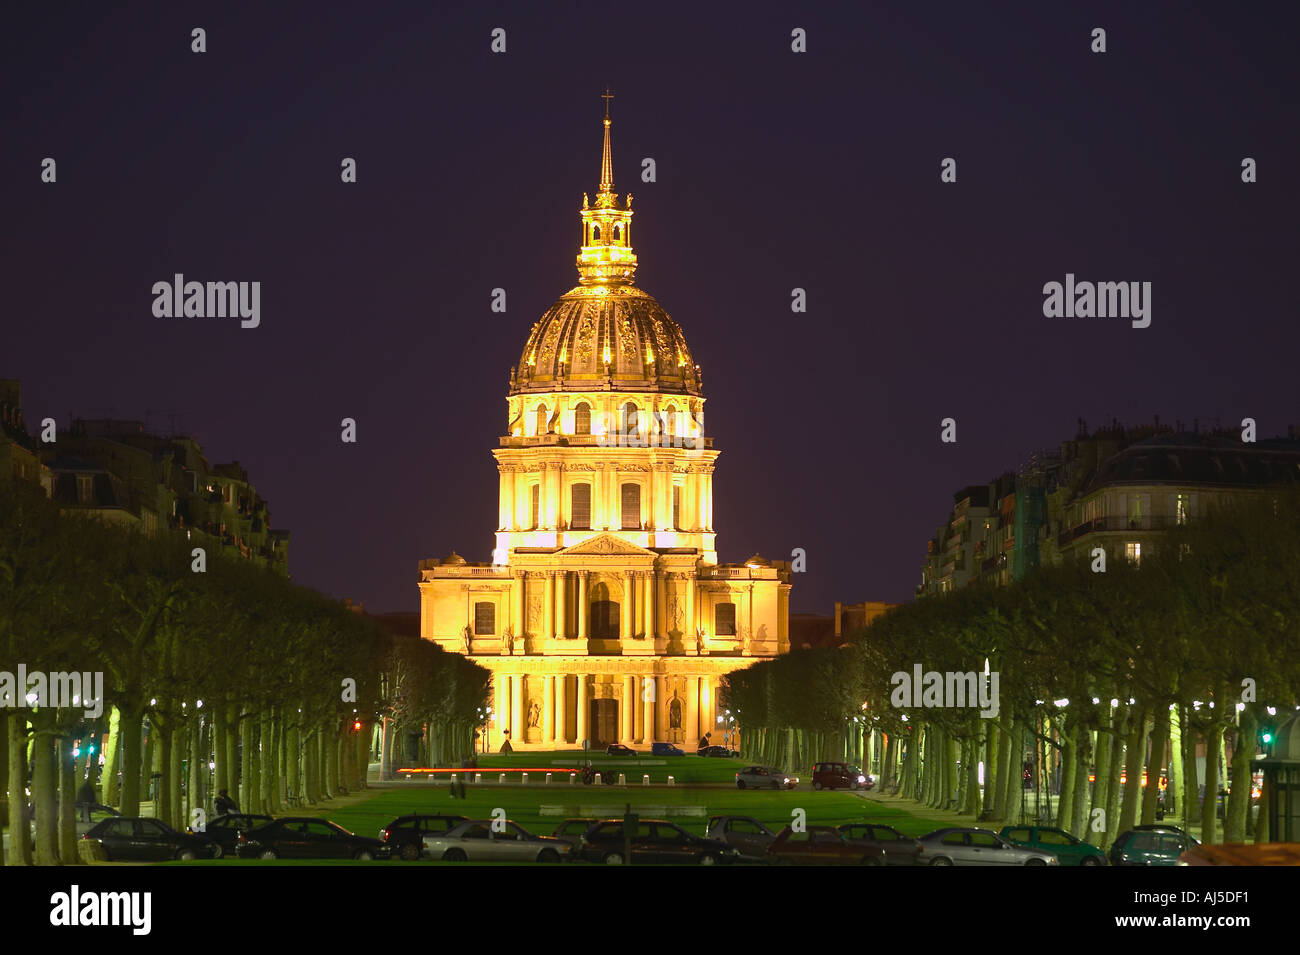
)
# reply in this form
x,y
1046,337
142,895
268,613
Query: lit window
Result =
x,y
485,617
1180,509
541,419
535,506
631,507
1133,551
580,507
582,418
677,506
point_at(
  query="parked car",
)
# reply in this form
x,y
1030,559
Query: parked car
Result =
x,y
618,749
571,830
1150,845
141,839
821,845
1068,849
405,834
655,840
744,833
765,777
956,846
840,776
298,837
665,749
223,831
898,848
494,841
721,751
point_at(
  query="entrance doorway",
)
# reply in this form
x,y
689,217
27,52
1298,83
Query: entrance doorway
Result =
x,y
603,722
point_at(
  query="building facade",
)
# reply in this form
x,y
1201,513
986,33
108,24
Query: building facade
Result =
x,y
604,614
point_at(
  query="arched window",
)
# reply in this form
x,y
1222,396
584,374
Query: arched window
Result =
x,y
541,419
631,507
582,418
618,232
670,415
536,508
595,233
724,620
629,418
485,619
580,507
677,507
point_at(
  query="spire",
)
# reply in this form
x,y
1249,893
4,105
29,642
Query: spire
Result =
x,y
607,155
606,256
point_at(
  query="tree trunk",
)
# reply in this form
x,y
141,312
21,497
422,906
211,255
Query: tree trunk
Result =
x,y
1155,762
1069,761
20,847
1134,758
1210,803
1174,794
1191,775
112,745
1235,823
163,808
1083,751
267,774
234,778
130,728
1122,719
1100,790
293,764
45,786
67,802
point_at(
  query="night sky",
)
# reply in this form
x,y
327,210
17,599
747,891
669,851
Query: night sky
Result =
x,y
775,170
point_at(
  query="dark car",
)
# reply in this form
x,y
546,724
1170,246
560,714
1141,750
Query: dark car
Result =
x,y
821,845
665,749
141,839
1150,845
840,776
618,749
898,848
655,840
1068,848
297,837
223,831
571,830
404,836
721,751
745,833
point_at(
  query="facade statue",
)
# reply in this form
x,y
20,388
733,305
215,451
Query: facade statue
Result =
x,y
534,715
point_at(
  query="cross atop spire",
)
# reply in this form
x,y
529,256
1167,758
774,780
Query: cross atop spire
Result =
x,y
607,155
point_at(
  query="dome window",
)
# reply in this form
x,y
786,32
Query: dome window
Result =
x,y
595,233
580,507
618,233
582,418
631,501
535,507
629,418
541,420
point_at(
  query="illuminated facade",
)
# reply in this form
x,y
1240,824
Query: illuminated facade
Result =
x,y
605,614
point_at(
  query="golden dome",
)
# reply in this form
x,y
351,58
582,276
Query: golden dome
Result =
x,y
606,333
594,335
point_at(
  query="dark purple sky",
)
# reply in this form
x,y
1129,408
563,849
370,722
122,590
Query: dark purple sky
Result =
x,y
775,170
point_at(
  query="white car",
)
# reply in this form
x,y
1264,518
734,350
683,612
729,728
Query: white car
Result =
x,y
494,840
765,777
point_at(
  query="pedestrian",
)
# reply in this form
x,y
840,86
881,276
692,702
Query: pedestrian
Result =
x,y
224,805
86,794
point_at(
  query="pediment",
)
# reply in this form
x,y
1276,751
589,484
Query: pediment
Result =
x,y
605,544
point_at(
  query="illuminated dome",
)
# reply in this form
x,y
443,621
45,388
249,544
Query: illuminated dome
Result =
x,y
605,333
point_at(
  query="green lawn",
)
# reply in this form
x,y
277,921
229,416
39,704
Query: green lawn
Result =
x,y
684,769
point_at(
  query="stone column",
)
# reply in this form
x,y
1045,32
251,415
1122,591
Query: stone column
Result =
x,y
561,708
689,613
708,497
548,708
625,612
548,606
661,707
506,508
517,611
500,701
582,605
518,729
627,710
692,727
648,605
561,615
580,717
650,702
